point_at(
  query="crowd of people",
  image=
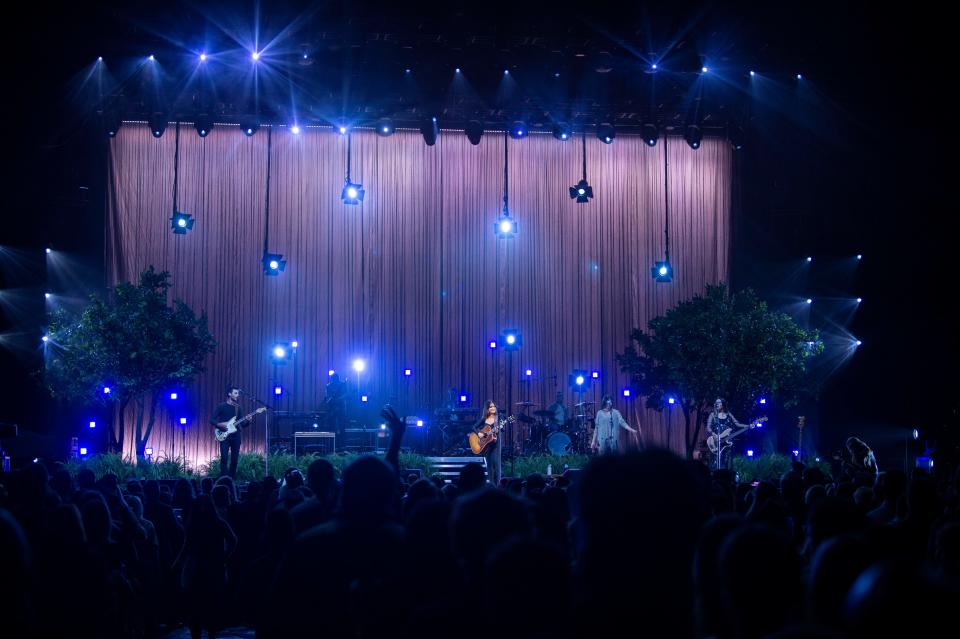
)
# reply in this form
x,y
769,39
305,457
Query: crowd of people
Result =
x,y
643,543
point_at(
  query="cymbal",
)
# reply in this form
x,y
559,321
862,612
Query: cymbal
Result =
x,y
585,404
543,413
526,404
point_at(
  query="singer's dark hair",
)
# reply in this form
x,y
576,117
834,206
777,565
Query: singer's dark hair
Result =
x,y
231,388
603,400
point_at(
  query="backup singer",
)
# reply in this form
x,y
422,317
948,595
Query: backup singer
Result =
x,y
607,424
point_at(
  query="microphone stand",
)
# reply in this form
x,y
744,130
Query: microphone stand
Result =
x,y
266,431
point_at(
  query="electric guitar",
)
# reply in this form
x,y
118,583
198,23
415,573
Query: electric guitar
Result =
x,y
718,440
484,438
233,424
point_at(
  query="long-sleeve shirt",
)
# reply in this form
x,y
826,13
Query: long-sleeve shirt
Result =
x,y
606,429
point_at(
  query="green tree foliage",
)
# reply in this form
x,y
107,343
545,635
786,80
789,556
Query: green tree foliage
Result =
x,y
720,344
135,343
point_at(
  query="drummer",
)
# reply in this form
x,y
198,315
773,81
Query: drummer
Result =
x,y
558,414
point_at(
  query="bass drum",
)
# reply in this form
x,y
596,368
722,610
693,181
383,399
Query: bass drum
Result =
x,y
558,444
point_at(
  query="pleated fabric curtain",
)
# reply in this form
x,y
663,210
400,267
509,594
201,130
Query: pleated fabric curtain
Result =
x,y
414,277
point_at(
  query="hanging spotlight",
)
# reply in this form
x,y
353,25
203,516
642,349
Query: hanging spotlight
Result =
x,y
385,127
582,192
518,130
295,129
662,271
430,130
474,131
273,264
693,135
562,131
249,126
651,134
606,133
181,223
505,226
158,124
352,193
203,125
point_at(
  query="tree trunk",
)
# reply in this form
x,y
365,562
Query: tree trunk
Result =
x,y
118,432
142,441
138,432
690,442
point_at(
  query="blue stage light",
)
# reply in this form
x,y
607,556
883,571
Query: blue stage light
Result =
x,y
662,271
352,193
518,130
273,264
180,223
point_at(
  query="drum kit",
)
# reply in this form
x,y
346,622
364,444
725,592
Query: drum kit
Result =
x,y
548,436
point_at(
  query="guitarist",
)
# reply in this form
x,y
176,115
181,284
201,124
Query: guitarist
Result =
x,y
492,453
224,413
721,420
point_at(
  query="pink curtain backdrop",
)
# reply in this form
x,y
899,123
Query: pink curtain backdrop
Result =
x,y
414,277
